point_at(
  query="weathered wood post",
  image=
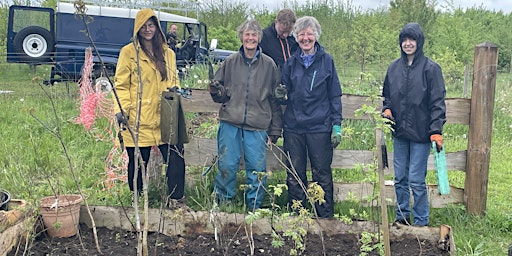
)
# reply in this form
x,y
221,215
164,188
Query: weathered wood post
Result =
x,y
480,127
379,139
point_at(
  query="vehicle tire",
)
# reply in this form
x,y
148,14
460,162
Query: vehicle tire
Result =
x,y
34,44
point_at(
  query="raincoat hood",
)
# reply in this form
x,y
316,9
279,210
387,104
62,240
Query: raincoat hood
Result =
x,y
414,31
141,18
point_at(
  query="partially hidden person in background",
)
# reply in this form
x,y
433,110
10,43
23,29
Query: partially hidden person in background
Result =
x,y
150,57
249,115
312,120
277,41
172,37
414,100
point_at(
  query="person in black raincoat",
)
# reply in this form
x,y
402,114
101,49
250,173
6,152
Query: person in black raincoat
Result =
x,y
414,99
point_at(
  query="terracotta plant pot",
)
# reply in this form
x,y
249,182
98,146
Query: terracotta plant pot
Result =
x,y
60,214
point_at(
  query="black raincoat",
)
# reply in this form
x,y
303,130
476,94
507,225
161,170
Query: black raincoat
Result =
x,y
415,94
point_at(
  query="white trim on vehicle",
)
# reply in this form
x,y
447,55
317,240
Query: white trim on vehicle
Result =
x,y
123,13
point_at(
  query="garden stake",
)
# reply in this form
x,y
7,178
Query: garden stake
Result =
x,y
383,164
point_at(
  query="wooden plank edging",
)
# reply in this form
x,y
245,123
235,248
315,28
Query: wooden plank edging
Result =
x,y
200,222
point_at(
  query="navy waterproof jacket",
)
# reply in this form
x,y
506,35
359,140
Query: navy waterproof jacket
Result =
x,y
314,94
415,94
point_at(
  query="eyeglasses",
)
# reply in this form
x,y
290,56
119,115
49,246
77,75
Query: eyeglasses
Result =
x,y
150,26
302,35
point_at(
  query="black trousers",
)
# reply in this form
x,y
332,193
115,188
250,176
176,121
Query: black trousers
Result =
x,y
175,170
316,146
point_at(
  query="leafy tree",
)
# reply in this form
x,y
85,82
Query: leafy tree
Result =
x,y
453,31
421,11
264,17
227,37
453,69
371,40
225,13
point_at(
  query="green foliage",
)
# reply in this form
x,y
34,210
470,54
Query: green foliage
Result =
x,y
34,152
196,76
370,40
4,11
370,242
227,37
224,13
421,11
264,16
33,166
453,70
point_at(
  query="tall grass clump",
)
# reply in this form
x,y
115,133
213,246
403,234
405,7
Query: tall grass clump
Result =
x,y
33,164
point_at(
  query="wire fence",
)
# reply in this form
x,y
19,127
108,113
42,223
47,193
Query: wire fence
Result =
x,y
15,72
359,80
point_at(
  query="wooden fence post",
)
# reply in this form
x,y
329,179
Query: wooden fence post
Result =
x,y
480,127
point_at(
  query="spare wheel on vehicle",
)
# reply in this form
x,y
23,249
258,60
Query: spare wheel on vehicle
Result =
x,y
34,44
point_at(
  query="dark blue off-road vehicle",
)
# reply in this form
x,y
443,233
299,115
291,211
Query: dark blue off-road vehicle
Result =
x,y
58,37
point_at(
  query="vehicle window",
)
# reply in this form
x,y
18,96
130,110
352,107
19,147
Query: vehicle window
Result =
x,y
26,18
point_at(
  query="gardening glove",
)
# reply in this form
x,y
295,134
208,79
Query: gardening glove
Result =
x,y
281,92
438,138
121,121
215,88
387,114
335,135
273,138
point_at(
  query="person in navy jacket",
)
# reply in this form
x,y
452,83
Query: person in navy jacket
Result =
x,y
312,120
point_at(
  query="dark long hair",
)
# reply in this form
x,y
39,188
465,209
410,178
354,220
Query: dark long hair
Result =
x,y
158,56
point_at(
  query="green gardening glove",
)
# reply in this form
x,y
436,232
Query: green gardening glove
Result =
x,y
335,135
281,92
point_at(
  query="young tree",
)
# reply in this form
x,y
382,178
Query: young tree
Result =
x,y
421,11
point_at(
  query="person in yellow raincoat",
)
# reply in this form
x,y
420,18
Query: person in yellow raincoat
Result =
x,y
157,63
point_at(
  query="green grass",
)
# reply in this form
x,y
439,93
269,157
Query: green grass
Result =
x,y
33,165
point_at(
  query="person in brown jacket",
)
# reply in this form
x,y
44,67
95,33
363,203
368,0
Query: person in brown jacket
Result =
x,y
249,116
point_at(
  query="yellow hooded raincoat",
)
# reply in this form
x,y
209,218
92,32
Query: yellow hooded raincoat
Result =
x,y
127,86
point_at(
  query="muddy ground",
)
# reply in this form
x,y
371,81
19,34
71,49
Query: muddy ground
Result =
x,y
122,242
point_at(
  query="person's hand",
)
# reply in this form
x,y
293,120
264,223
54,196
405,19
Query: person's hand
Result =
x,y
281,92
215,88
387,114
438,138
274,138
335,135
121,121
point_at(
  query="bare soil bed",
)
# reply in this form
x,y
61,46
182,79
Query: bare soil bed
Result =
x,y
122,242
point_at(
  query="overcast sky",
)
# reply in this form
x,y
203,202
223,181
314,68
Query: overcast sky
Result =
x,y
503,5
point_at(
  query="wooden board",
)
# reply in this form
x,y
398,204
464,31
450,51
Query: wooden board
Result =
x,y
457,110
200,151
362,191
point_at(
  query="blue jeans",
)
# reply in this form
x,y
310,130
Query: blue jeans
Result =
x,y
231,142
410,163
